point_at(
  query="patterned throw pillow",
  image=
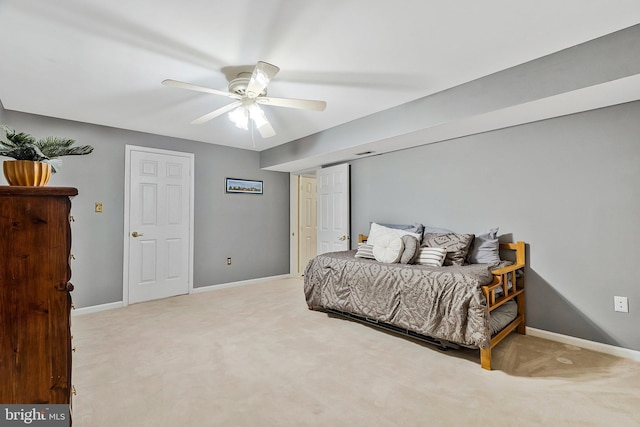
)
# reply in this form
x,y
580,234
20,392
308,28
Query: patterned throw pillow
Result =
x,y
365,251
431,256
411,248
457,245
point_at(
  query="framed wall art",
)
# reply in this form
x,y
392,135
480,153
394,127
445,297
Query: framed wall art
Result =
x,y
245,186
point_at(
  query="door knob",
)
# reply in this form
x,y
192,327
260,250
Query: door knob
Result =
x,y
343,238
136,234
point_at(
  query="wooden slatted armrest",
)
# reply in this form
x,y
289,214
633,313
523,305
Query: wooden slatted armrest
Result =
x,y
489,290
497,283
507,269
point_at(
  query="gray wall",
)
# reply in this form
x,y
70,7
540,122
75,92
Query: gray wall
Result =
x,y
253,230
602,60
568,186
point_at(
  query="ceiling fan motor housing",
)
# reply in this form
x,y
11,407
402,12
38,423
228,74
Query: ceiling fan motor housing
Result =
x,y
240,83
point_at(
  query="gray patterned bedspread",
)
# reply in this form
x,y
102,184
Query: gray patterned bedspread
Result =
x,y
441,302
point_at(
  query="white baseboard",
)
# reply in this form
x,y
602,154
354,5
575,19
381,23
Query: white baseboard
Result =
x,y
240,283
589,345
96,308
119,304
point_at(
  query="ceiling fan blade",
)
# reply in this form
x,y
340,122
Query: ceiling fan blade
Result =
x,y
266,130
303,104
262,75
216,113
260,120
189,86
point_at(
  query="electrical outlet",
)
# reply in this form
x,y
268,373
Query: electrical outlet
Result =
x,y
621,304
99,207
229,261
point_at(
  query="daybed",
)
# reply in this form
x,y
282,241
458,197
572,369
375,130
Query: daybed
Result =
x,y
472,305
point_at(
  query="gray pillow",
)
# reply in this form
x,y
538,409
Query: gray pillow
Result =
x,y
413,228
457,245
428,229
434,230
411,249
485,248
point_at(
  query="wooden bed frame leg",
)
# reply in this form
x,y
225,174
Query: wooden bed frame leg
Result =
x,y
485,358
522,327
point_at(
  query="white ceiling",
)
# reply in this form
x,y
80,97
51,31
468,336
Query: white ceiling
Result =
x,y
102,62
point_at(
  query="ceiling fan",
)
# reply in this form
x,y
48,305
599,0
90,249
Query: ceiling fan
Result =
x,y
249,90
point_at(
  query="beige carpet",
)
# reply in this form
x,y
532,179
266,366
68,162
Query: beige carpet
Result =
x,y
256,356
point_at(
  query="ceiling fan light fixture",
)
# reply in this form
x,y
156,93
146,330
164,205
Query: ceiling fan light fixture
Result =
x,y
240,117
249,89
257,115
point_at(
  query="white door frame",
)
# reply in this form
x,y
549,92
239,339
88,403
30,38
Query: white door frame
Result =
x,y
127,205
294,201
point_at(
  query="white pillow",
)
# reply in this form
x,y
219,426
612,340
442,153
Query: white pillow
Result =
x,y
378,231
388,249
431,256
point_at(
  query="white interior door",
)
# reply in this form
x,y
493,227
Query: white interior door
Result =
x,y
159,224
308,221
333,208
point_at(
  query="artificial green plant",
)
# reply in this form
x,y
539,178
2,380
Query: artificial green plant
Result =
x,y
22,146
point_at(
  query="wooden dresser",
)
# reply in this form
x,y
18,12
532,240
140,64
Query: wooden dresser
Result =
x,y
35,300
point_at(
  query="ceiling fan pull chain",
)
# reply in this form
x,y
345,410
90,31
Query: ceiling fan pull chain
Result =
x,y
253,141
